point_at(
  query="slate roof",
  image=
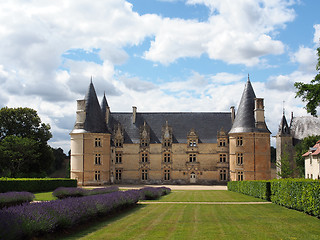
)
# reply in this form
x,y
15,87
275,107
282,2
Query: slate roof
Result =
x,y
302,127
206,125
245,121
283,128
94,120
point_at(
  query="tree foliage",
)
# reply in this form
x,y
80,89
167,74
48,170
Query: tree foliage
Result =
x,y
23,143
284,166
310,92
302,148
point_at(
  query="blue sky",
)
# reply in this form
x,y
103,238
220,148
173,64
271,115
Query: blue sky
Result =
x,y
158,55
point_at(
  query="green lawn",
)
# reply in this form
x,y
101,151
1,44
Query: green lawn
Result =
x,y
207,196
202,221
44,196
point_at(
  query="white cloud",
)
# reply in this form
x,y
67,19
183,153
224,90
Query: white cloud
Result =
x,y
238,32
306,58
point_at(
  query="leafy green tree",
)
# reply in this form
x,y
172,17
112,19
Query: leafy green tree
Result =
x,y
310,92
18,155
26,129
285,167
302,148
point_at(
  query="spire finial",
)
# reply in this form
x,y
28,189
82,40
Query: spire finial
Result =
x,y
283,109
248,78
91,79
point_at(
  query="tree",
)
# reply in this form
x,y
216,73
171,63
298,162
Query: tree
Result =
x,y
301,148
23,142
18,155
310,92
284,166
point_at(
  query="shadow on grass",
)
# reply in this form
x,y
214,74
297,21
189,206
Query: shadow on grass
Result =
x,y
92,225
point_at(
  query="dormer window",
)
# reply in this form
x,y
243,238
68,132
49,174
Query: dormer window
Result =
x,y
192,138
166,135
118,136
222,143
192,143
144,143
144,135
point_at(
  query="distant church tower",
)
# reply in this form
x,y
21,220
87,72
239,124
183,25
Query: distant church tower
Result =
x,y
90,141
249,140
284,143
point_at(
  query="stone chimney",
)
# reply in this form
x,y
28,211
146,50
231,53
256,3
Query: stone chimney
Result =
x,y
81,114
259,113
107,114
134,114
233,114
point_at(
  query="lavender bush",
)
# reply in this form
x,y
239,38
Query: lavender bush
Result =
x,y
14,198
151,193
28,220
64,192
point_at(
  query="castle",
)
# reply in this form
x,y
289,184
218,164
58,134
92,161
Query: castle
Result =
x,y
169,147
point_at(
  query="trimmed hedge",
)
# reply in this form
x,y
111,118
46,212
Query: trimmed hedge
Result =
x,y
299,194
63,192
258,189
35,184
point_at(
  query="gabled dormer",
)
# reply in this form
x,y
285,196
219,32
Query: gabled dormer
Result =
x,y
192,138
118,138
144,135
222,138
166,136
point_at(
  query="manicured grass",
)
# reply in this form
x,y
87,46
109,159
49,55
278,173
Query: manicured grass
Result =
x,y
207,196
185,221
44,196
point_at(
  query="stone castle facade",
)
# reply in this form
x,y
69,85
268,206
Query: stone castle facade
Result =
x,y
169,147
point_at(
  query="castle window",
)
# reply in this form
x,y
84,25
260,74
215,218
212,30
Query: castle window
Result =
x,y
239,141
167,143
192,143
239,158
192,157
240,176
167,157
118,157
118,142
222,143
223,175
118,174
144,143
167,174
144,157
144,174
97,175
223,157
97,142
97,159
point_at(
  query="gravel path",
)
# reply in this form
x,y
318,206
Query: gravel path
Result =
x,y
177,187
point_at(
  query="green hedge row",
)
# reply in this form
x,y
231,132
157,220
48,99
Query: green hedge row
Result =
x,y
258,189
34,184
298,194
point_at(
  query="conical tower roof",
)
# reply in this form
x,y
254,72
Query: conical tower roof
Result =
x,y
283,127
94,120
104,105
244,121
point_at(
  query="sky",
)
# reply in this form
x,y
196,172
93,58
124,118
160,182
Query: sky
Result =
x,y
157,55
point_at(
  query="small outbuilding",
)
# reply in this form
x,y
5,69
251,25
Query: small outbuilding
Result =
x,y
312,162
